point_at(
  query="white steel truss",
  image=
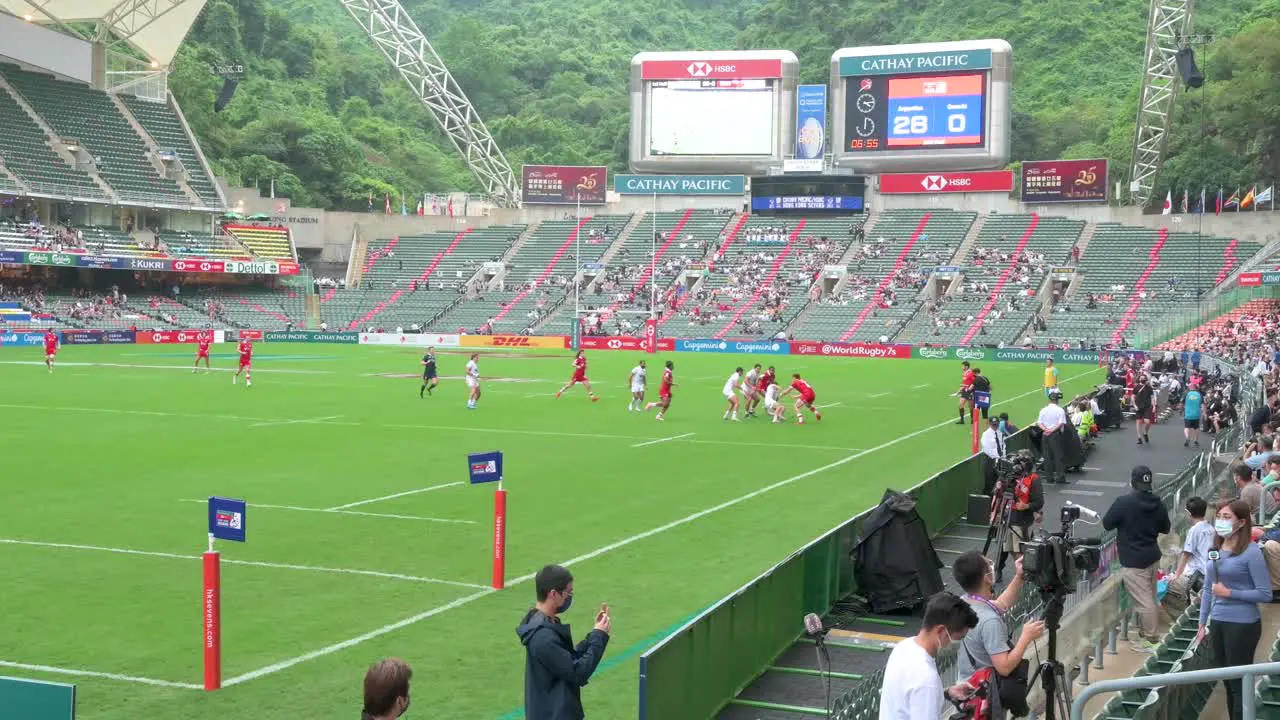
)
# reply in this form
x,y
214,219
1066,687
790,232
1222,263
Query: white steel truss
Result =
x,y
1168,22
398,37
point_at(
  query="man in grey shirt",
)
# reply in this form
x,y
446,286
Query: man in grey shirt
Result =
x,y
987,645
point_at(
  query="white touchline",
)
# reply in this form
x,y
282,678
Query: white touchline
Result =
x,y
665,439
250,563
358,503
162,367
389,516
336,647
877,395
95,674
296,422
834,404
921,387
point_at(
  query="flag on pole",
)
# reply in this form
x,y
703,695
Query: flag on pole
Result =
x,y
1249,198
404,209
1218,210
1186,202
1266,196
1168,203
1200,207
387,203
370,201
1233,202
450,206
273,188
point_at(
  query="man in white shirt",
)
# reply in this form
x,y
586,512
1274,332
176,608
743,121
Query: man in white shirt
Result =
x,y
1052,422
912,689
992,445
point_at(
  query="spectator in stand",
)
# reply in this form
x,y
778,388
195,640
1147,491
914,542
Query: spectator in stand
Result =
x,y
1238,581
1189,575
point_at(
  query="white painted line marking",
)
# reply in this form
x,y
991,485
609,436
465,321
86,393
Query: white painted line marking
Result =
x,y
878,395
95,674
1167,474
358,503
921,387
127,366
1087,493
1091,469
1101,483
389,516
834,404
662,440
337,647
296,422
771,444
249,563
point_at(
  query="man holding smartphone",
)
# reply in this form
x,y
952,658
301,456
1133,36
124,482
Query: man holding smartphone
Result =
x,y
556,670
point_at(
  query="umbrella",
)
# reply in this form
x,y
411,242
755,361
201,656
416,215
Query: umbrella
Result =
x,y
259,216
232,215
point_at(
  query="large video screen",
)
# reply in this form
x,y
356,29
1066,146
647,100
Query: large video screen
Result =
x,y
711,117
906,112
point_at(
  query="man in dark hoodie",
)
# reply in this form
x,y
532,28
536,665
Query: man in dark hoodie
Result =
x,y
1138,519
555,670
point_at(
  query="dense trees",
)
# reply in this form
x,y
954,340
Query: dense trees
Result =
x,y
322,113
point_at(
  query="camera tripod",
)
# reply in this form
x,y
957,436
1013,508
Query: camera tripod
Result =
x,y
1052,674
998,524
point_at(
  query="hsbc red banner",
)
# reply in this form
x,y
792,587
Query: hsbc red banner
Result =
x,y
865,350
250,334
710,69
1250,279
948,182
169,337
210,266
623,342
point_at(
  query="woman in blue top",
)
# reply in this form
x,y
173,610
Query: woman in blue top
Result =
x,y
1234,585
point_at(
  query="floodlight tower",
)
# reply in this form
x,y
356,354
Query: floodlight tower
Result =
x,y
1168,23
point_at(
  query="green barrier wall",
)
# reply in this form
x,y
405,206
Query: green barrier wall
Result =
x,y
695,670
36,700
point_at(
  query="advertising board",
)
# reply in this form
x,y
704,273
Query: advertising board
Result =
x,y
409,339
752,347
946,182
837,349
168,337
679,184
564,184
622,342
310,336
1055,181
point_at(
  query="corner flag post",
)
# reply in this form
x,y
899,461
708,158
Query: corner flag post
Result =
x,y
486,468
227,521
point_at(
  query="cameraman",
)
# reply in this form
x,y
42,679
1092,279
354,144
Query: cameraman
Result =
x,y
988,645
1139,518
1028,501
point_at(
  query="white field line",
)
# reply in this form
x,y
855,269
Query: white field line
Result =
x,y
62,363
296,422
771,444
389,516
921,387
358,503
249,563
95,674
834,404
878,395
662,440
337,647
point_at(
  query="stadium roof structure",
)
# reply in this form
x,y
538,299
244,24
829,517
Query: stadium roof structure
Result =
x,y
156,28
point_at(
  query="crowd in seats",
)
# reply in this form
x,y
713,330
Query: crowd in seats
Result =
x,y
1246,336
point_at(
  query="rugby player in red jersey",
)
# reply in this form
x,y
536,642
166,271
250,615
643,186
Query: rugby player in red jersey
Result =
x,y
202,351
804,399
246,362
50,348
579,376
965,393
769,377
664,391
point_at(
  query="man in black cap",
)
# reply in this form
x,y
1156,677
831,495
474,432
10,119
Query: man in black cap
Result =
x,y
1138,519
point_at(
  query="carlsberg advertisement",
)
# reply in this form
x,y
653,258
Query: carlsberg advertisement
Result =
x,y
1083,357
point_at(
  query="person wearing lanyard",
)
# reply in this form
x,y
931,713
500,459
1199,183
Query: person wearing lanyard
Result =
x,y
992,445
1238,579
987,646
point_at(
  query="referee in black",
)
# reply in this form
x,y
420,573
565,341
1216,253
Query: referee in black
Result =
x,y
429,379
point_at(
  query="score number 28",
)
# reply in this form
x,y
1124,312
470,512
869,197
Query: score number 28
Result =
x,y
919,124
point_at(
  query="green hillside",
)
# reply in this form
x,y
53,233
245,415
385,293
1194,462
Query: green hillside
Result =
x,y
322,113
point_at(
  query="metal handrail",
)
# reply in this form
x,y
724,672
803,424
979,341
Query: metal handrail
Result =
x,y
1190,677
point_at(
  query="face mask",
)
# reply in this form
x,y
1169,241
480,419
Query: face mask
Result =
x,y
564,606
950,641
404,709
1224,528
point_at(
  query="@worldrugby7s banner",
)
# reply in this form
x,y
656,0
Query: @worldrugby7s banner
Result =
x,y
946,182
835,349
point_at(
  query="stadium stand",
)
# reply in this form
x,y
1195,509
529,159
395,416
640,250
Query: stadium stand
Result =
x,y
887,273
161,121
184,243
88,116
264,241
1134,274
682,238
410,280
25,151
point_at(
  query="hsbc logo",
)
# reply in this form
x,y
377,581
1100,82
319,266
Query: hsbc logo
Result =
x,y
699,69
614,344
934,183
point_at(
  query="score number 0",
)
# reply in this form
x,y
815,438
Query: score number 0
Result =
x,y
919,124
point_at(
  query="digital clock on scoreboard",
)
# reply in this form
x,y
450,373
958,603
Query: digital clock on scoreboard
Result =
x,y
922,108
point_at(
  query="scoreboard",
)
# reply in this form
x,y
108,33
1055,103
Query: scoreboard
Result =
x,y
921,108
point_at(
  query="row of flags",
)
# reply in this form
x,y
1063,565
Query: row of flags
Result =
x,y
425,207
1251,199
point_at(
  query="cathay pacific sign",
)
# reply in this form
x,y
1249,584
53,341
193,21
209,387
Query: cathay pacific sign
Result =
x,y
946,61
679,184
